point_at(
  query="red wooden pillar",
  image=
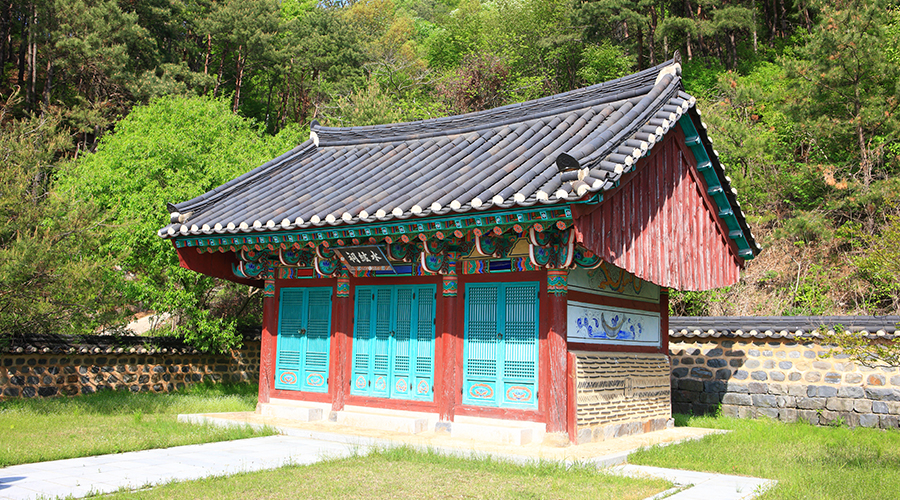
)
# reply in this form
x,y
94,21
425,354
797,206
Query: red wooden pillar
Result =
x,y
664,323
448,341
343,333
572,400
269,338
557,290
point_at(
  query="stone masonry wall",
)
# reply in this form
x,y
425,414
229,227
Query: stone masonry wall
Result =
x,y
620,394
781,379
91,368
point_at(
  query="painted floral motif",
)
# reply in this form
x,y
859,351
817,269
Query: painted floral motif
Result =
x,y
474,267
422,388
481,391
617,327
518,393
288,378
380,384
449,285
360,382
614,279
401,385
315,380
557,281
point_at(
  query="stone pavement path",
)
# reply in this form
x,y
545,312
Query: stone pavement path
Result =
x,y
106,473
82,476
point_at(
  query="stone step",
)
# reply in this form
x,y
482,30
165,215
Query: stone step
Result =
x,y
382,421
487,433
292,411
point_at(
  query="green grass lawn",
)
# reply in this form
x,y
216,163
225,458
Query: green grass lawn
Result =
x,y
404,473
809,462
36,430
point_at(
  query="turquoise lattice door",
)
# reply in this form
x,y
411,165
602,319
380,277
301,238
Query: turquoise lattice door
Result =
x,y
304,338
393,342
501,345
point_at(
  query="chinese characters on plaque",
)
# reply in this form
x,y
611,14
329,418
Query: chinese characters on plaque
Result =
x,y
363,258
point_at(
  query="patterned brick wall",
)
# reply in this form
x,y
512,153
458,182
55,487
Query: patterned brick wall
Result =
x,y
88,369
781,379
620,394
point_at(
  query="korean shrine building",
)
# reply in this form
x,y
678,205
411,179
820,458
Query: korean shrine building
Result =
x,y
505,264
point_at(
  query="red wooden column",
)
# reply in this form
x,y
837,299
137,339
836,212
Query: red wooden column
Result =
x,y
557,290
269,337
343,334
448,340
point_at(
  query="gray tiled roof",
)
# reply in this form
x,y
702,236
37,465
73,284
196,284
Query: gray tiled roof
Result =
x,y
776,327
498,158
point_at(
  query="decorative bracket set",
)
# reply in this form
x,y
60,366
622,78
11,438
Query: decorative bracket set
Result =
x,y
551,248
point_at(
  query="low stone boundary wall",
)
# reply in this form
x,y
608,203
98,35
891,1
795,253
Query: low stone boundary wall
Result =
x,y
781,378
44,366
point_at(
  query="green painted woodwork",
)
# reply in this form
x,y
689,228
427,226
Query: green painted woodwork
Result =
x,y
304,338
393,342
714,187
500,352
431,227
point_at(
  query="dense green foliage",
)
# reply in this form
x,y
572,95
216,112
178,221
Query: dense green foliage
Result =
x,y
110,108
172,149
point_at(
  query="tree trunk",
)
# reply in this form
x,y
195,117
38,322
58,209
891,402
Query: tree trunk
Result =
x,y
221,70
804,16
653,35
696,18
208,55
5,49
23,45
732,49
755,44
783,18
32,56
48,86
772,18
239,78
269,99
640,37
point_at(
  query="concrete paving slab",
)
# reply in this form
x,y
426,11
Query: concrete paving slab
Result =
x,y
314,442
701,485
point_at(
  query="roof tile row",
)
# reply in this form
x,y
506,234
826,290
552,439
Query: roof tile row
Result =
x,y
548,151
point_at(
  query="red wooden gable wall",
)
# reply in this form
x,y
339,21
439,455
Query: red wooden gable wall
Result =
x,y
661,225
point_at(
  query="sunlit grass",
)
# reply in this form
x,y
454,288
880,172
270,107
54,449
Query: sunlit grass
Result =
x,y
809,462
36,430
404,473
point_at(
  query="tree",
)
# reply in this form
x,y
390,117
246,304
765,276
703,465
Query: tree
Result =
x,y
850,93
860,348
604,62
173,149
50,280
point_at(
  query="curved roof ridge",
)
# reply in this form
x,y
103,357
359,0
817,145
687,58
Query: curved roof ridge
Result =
x,y
620,89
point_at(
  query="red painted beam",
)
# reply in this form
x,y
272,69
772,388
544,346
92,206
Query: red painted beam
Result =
x,y
215,264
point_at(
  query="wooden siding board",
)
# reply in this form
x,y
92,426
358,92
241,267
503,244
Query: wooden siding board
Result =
x,y
670,235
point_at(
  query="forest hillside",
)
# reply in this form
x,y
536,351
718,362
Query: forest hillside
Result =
x,y
111,108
